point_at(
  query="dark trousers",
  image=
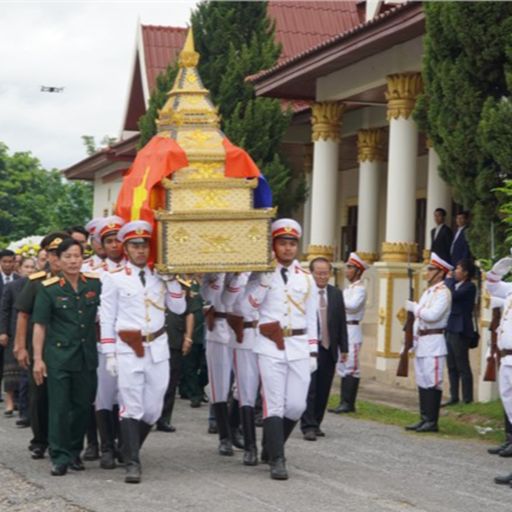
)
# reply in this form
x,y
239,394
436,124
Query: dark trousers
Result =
x,y
38,412
70,396
459,367
318,393
194,376
170,394
1,367
23,394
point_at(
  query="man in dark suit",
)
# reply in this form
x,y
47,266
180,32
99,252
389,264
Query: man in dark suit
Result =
x,y
441,236
460,330
332,339
460,248
7,274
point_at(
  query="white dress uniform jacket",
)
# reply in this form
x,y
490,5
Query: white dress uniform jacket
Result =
x,y
354,296
127,305
93,264
432,312
294,306
503,291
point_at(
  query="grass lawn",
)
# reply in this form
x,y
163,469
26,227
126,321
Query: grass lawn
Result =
x,y
482,421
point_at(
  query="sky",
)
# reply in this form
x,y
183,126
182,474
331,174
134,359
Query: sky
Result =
x,y
87,47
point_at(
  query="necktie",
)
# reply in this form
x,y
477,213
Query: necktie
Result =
x,y
284,274
142,276
322,310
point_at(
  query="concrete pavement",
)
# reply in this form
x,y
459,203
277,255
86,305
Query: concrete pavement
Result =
x,y
360,466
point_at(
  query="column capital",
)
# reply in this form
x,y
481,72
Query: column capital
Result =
x,y
324,251
326,120
400,252
403,89
371,145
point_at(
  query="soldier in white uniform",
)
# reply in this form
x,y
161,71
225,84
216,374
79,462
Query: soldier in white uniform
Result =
x,y
221,291
96,260
431,318
107,393
243,322
348,367
286,342
134,339
501,293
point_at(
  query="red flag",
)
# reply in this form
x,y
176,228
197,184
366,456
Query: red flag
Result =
x,y
238,162
159,158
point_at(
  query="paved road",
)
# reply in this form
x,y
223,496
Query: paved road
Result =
x,y
360,466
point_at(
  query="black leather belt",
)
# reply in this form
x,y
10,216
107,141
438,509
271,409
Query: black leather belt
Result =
x,y
153,335
218,314
427,332
505,352
352,322
293,332
251,325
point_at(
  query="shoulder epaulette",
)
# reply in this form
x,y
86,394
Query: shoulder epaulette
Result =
x,y
51,280
100,265
114,270
37,275
91,275
298,268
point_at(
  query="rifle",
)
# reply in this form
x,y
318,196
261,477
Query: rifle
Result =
x,y
493,361
403,363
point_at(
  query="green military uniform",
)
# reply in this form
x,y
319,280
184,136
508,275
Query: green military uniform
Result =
x,y
38,408
194,373
71,358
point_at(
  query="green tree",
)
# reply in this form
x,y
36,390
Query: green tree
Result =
x,y
34,201
90,143
465,108
235,40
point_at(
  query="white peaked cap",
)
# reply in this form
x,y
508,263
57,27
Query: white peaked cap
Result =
x,y
438,262
354,259
286,228
136,229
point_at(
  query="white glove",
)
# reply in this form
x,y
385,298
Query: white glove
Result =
x,y
313,364
174,286
503,266
111,365
411,306
266,278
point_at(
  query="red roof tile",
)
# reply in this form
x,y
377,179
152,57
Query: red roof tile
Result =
x,y
299,26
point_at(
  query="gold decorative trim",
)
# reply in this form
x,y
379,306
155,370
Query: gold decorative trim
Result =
x,y
371,145
162,268
426,256
189,58
369,257
317,251
266,213
403,89
210,183
326,120
399,252
428,143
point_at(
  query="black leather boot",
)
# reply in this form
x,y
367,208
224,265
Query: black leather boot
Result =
x,y
288,426
221,416
433,402
92,451
105,422
250,452
347,395
144,430
273,427
423,414
130,429
237,439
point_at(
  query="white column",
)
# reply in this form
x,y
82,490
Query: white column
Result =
x,y
438,193
403,150
370,145
326,119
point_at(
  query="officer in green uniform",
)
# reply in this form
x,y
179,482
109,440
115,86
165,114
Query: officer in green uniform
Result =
x,y
23,343
65,352
194,373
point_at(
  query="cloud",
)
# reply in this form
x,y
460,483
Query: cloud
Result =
x,y
85,47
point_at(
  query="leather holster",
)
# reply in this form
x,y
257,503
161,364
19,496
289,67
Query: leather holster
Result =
x,y
209,317
134,340
273,331
236,323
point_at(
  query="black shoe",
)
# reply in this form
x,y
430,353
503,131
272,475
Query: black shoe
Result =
x,y
503,480
452,401
108,460
37,453
319,433
428,426
344,407
506,452
495,450
225,447
76,464
250,457
415,426
237,439
92,452
59,469
278,469
309,435
23,423
165,427
9,414
212,428
133,473
195,403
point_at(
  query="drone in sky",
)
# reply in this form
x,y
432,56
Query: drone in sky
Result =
x,y
45,88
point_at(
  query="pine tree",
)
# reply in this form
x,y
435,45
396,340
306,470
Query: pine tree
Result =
x,y
465,109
